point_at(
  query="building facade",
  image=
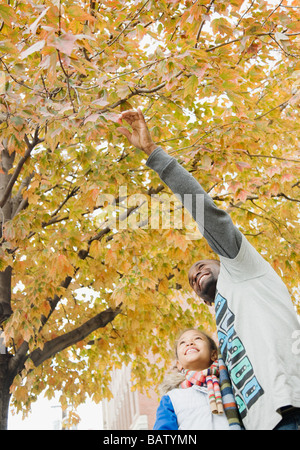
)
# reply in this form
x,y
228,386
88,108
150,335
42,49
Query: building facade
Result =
x,y
128,409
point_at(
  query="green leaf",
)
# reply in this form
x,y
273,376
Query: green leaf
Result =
x,y
7,14
190,86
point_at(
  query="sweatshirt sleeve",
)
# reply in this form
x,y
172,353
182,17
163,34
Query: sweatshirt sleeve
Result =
x,y
166,418
214,223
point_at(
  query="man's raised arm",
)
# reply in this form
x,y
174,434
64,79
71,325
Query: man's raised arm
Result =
x,y
215,224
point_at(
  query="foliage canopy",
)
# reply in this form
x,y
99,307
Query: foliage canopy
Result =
x,y
219,82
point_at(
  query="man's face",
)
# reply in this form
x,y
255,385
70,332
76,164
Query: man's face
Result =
x,y
203,277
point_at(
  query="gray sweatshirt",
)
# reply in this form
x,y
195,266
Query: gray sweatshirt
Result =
x,y
258,329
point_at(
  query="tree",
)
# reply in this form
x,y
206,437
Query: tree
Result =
x,y
219,84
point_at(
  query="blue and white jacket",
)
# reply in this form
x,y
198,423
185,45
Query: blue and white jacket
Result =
x,y
186,409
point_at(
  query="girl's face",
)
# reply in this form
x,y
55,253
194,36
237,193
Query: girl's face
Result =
x,y
194,351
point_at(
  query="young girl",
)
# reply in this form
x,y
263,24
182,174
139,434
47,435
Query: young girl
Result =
x,y
192,397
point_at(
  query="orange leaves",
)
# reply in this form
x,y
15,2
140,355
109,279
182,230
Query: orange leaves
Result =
x,y
79,13
60,267
7,14
110,257
177,240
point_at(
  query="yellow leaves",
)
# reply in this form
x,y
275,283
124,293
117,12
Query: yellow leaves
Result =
x,y
20,394
236,98
222,26
96,249
72,419
2,82
163,285
190,86
79,13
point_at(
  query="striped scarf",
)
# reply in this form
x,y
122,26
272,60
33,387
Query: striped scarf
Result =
x,y
220,394
228,399
208,378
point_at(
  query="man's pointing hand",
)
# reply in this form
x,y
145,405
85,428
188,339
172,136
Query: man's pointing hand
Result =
x,y
140,136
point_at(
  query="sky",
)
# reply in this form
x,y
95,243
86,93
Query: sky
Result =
x,y
46,415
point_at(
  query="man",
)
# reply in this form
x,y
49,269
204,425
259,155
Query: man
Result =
x,y
257,324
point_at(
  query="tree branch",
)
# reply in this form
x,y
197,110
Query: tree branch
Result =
x,y
282,106
272,157
54,301
70,194
30,146
60,343
19,203
21,83
68,81
208,8
245,13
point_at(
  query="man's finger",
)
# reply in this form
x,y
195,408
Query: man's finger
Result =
x,y
129,114
141,115
125,132
132,116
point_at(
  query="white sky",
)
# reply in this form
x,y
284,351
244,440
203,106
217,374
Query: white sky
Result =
x,y
45,414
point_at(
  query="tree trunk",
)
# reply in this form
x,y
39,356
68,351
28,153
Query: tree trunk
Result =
x,y
4,391
5,294
6,164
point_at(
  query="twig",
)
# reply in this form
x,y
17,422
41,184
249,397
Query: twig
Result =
x,y
282,106
272,157
110,43
272,12
68,81
21,83
246,12
71,194
203,21
222,45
